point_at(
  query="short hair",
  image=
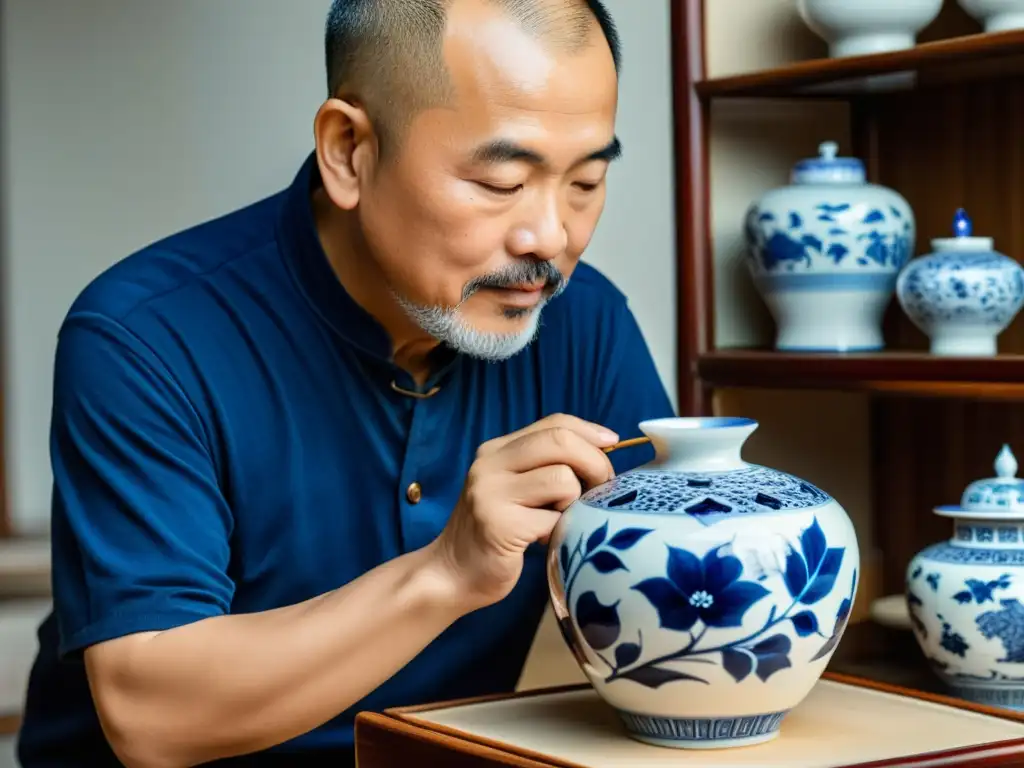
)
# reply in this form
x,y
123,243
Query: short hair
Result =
x,y
388,53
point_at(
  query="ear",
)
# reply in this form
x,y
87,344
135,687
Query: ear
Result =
x,y
345,148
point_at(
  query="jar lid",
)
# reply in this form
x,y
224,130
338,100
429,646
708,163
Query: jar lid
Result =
x,y
999,496
827,168
963,240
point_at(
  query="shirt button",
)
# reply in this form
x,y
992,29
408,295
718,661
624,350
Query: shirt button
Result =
x,y
414,493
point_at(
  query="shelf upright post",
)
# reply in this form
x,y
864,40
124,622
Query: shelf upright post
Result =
x,y
694,278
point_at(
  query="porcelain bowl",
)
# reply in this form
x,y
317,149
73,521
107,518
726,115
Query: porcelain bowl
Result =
x,y
996,15
858,27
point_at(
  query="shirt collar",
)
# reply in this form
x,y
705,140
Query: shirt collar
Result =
x,y
304,255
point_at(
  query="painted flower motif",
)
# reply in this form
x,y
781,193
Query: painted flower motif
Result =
x,y
707,590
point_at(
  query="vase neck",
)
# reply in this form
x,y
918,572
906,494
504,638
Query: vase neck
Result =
x,y
710,444
988,534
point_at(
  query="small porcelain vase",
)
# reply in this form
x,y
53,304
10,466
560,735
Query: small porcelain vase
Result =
x,y
824,253
996,15
701,595
858,27
965,596
963,294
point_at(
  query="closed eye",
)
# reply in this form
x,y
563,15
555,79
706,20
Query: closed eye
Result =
x,y
500,190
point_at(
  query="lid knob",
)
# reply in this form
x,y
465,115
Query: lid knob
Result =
x,y
828,150
1006,463
962,226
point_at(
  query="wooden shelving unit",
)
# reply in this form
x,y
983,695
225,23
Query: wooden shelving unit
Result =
x,y
940,63
941,123
905,373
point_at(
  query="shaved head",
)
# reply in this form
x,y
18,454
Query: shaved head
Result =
x,y
388,55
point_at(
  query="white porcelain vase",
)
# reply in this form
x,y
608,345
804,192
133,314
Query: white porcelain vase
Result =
x,y
858,27
702,595
996,15
964,294
965,596
824,253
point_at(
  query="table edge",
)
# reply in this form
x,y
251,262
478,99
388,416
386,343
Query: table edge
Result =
x,y
403,720
450,739
836,677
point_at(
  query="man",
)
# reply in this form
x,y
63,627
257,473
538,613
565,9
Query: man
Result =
x,y
306,456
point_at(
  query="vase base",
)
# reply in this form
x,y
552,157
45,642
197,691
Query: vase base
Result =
x,y
1006,697
703,732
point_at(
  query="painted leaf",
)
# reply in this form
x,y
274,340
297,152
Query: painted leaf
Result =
x,y
825,579
737,663
606,562
772,655
627,537
812,540
655,677
626,654
811,242
796,573
837,251
597,538
826,648
599,623
673,607
805,623
563,560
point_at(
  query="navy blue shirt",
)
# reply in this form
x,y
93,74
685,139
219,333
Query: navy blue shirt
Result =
x,y
226,439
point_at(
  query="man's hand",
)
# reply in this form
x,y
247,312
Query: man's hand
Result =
x,y
513,496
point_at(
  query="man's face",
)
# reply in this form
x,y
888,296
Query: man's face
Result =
x,y
483,213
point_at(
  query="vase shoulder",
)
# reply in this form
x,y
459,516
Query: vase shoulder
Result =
x,y
753,489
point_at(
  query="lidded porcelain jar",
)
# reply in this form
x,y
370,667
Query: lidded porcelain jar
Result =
x,y
858,27
965,596
702,595
963,294
824,253
996,15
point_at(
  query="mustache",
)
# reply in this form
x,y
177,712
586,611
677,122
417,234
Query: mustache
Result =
x,y
516,274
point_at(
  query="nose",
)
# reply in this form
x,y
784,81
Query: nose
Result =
x,y
542,234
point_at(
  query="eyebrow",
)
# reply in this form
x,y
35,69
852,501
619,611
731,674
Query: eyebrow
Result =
x,y
504,151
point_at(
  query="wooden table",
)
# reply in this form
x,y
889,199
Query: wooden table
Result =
x,y
844,722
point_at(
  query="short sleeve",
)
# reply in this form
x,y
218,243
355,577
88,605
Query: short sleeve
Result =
x,y
140,528
628,389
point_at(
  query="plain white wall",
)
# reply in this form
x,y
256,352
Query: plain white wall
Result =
x,y
127,120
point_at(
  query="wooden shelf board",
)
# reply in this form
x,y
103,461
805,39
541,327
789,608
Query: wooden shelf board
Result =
x,y
904,373
951,60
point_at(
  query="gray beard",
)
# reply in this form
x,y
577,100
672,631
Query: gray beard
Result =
x,y
447,325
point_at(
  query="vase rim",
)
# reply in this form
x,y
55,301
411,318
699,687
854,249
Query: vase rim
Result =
x,y
699,422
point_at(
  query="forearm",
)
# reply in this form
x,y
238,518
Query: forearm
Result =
x,y
241,683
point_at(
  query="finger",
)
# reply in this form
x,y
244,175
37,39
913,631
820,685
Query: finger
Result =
x,y
556,446
594,433
540,523
555,486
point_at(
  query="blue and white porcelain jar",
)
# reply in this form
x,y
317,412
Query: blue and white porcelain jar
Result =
x,y
965,596
964,294
701,595
824,253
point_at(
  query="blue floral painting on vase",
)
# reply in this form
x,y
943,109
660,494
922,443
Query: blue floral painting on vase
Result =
x,y
695,594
